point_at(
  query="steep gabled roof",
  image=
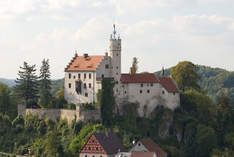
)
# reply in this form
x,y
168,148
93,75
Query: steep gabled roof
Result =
x,y
139,78
110,142
82,63
153,147
168,84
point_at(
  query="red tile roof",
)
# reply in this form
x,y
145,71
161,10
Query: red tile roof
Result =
x,y
153,147
168,84
139,78
142,154
80,63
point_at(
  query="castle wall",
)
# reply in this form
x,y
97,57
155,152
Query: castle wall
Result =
x,y
57,114
148,96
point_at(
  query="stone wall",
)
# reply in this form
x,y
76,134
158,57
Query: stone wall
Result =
x,y
57,114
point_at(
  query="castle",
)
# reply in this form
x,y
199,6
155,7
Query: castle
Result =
x,y
83,77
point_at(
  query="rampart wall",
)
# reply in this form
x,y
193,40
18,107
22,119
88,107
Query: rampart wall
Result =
x,y
57,114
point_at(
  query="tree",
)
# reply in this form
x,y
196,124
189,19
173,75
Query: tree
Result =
x,y
4,98
185,75
45,84
134,67
27,84
53,147
59,100
205,140
107,102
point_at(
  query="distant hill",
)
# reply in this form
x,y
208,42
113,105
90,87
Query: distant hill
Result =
x,y
215,81
9,82
56,84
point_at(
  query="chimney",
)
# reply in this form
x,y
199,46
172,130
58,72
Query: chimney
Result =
x,y
86,55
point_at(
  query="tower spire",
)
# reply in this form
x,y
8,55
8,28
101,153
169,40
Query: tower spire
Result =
x,y
114,32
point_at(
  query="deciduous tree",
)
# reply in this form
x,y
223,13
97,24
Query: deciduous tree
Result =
x,y
185,75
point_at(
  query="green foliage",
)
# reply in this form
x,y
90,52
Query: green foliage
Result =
x,y
134,67
205,140
83,136
107,102
59,100
4,98
27,84
185,75
45,84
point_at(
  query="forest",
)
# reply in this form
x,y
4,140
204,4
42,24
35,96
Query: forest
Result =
x,y
203,126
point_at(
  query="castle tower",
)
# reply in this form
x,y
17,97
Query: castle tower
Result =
x,y
115,54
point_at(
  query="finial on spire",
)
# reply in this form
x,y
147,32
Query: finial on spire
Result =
x,y
114,32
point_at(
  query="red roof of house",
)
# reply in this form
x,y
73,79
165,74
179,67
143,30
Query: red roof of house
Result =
x,y
139,78
168,84
142,154
110,144
81,63
153,147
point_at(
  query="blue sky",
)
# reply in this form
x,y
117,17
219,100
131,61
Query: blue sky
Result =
x,y
157,32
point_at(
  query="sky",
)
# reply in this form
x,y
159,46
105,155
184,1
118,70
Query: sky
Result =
x,y
158,32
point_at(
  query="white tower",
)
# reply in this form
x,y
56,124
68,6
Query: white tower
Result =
x,y
115,54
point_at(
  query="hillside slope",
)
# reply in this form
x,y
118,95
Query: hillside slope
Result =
x,y
215,81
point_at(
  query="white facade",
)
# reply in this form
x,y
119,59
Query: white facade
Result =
x,y
147,95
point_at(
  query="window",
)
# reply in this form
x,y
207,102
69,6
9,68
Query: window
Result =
x,y
84,75
90,85
78,76
117,73
74,77
69,85
148,91
69,76
107,66
139,144
125,92
78,87
90,76
117,67
86,155
142,85
102,76
140,91
173,93
93,155
163,92
151,84
86,95
117,90
100,155
96,148
117,82
117,54
85,86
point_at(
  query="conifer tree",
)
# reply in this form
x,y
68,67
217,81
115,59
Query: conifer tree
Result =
x,y
45,84
107,102
27,84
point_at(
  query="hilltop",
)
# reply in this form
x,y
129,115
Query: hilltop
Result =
x,y
215,82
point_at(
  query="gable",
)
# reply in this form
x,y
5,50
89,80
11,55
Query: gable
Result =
x,y
93,146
